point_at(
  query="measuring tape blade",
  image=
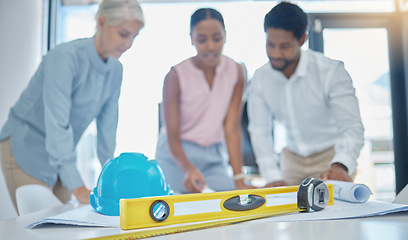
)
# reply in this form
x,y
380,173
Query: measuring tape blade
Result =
x,y
188,208
156,231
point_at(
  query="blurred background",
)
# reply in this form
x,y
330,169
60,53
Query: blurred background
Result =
x,y
366,35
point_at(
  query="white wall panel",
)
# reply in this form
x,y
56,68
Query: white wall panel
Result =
x,y
20,48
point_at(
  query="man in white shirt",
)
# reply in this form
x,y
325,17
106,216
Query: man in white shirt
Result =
x,y
312,96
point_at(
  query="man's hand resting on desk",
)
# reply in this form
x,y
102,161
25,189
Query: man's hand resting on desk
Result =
x,y
81,194
336,172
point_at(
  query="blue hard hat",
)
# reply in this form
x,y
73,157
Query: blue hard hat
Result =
x,y
131,175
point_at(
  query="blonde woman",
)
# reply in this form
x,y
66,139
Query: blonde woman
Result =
x,y
75,83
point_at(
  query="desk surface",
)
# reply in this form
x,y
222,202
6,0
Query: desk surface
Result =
x,y
390,227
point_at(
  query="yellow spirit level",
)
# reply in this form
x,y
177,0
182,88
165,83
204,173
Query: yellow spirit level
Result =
x,y
161,215
189,208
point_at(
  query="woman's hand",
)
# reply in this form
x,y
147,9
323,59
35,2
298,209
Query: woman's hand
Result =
x,y
81,194
194,181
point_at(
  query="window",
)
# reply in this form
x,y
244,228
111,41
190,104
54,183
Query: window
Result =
x,y
165,41
162,43
364,52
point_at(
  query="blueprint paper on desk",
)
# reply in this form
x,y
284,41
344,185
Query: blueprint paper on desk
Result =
x,y
350,202
351,192
343,210
82,216
87,216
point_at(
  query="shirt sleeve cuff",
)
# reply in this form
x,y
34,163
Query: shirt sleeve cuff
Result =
x,y
70,176
269,170
346,161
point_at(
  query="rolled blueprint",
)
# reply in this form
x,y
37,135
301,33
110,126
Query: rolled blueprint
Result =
x,y
351,192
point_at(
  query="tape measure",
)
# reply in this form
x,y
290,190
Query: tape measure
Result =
x,y
169,214
313,195
178,228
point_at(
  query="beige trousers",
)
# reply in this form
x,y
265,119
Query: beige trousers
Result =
x,y
15,177
296,168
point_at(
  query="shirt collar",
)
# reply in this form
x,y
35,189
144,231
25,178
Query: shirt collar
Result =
x,y
301,69
96,59
302,65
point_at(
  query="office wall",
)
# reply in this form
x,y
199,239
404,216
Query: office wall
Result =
x,y
20,48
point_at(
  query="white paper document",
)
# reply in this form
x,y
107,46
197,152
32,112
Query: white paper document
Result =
x,y
343,210
351,192
87,216
82,216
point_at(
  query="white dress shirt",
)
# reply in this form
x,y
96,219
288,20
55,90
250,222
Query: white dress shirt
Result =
x,y
317,107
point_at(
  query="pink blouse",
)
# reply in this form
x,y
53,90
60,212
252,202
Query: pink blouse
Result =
x,y
203,109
